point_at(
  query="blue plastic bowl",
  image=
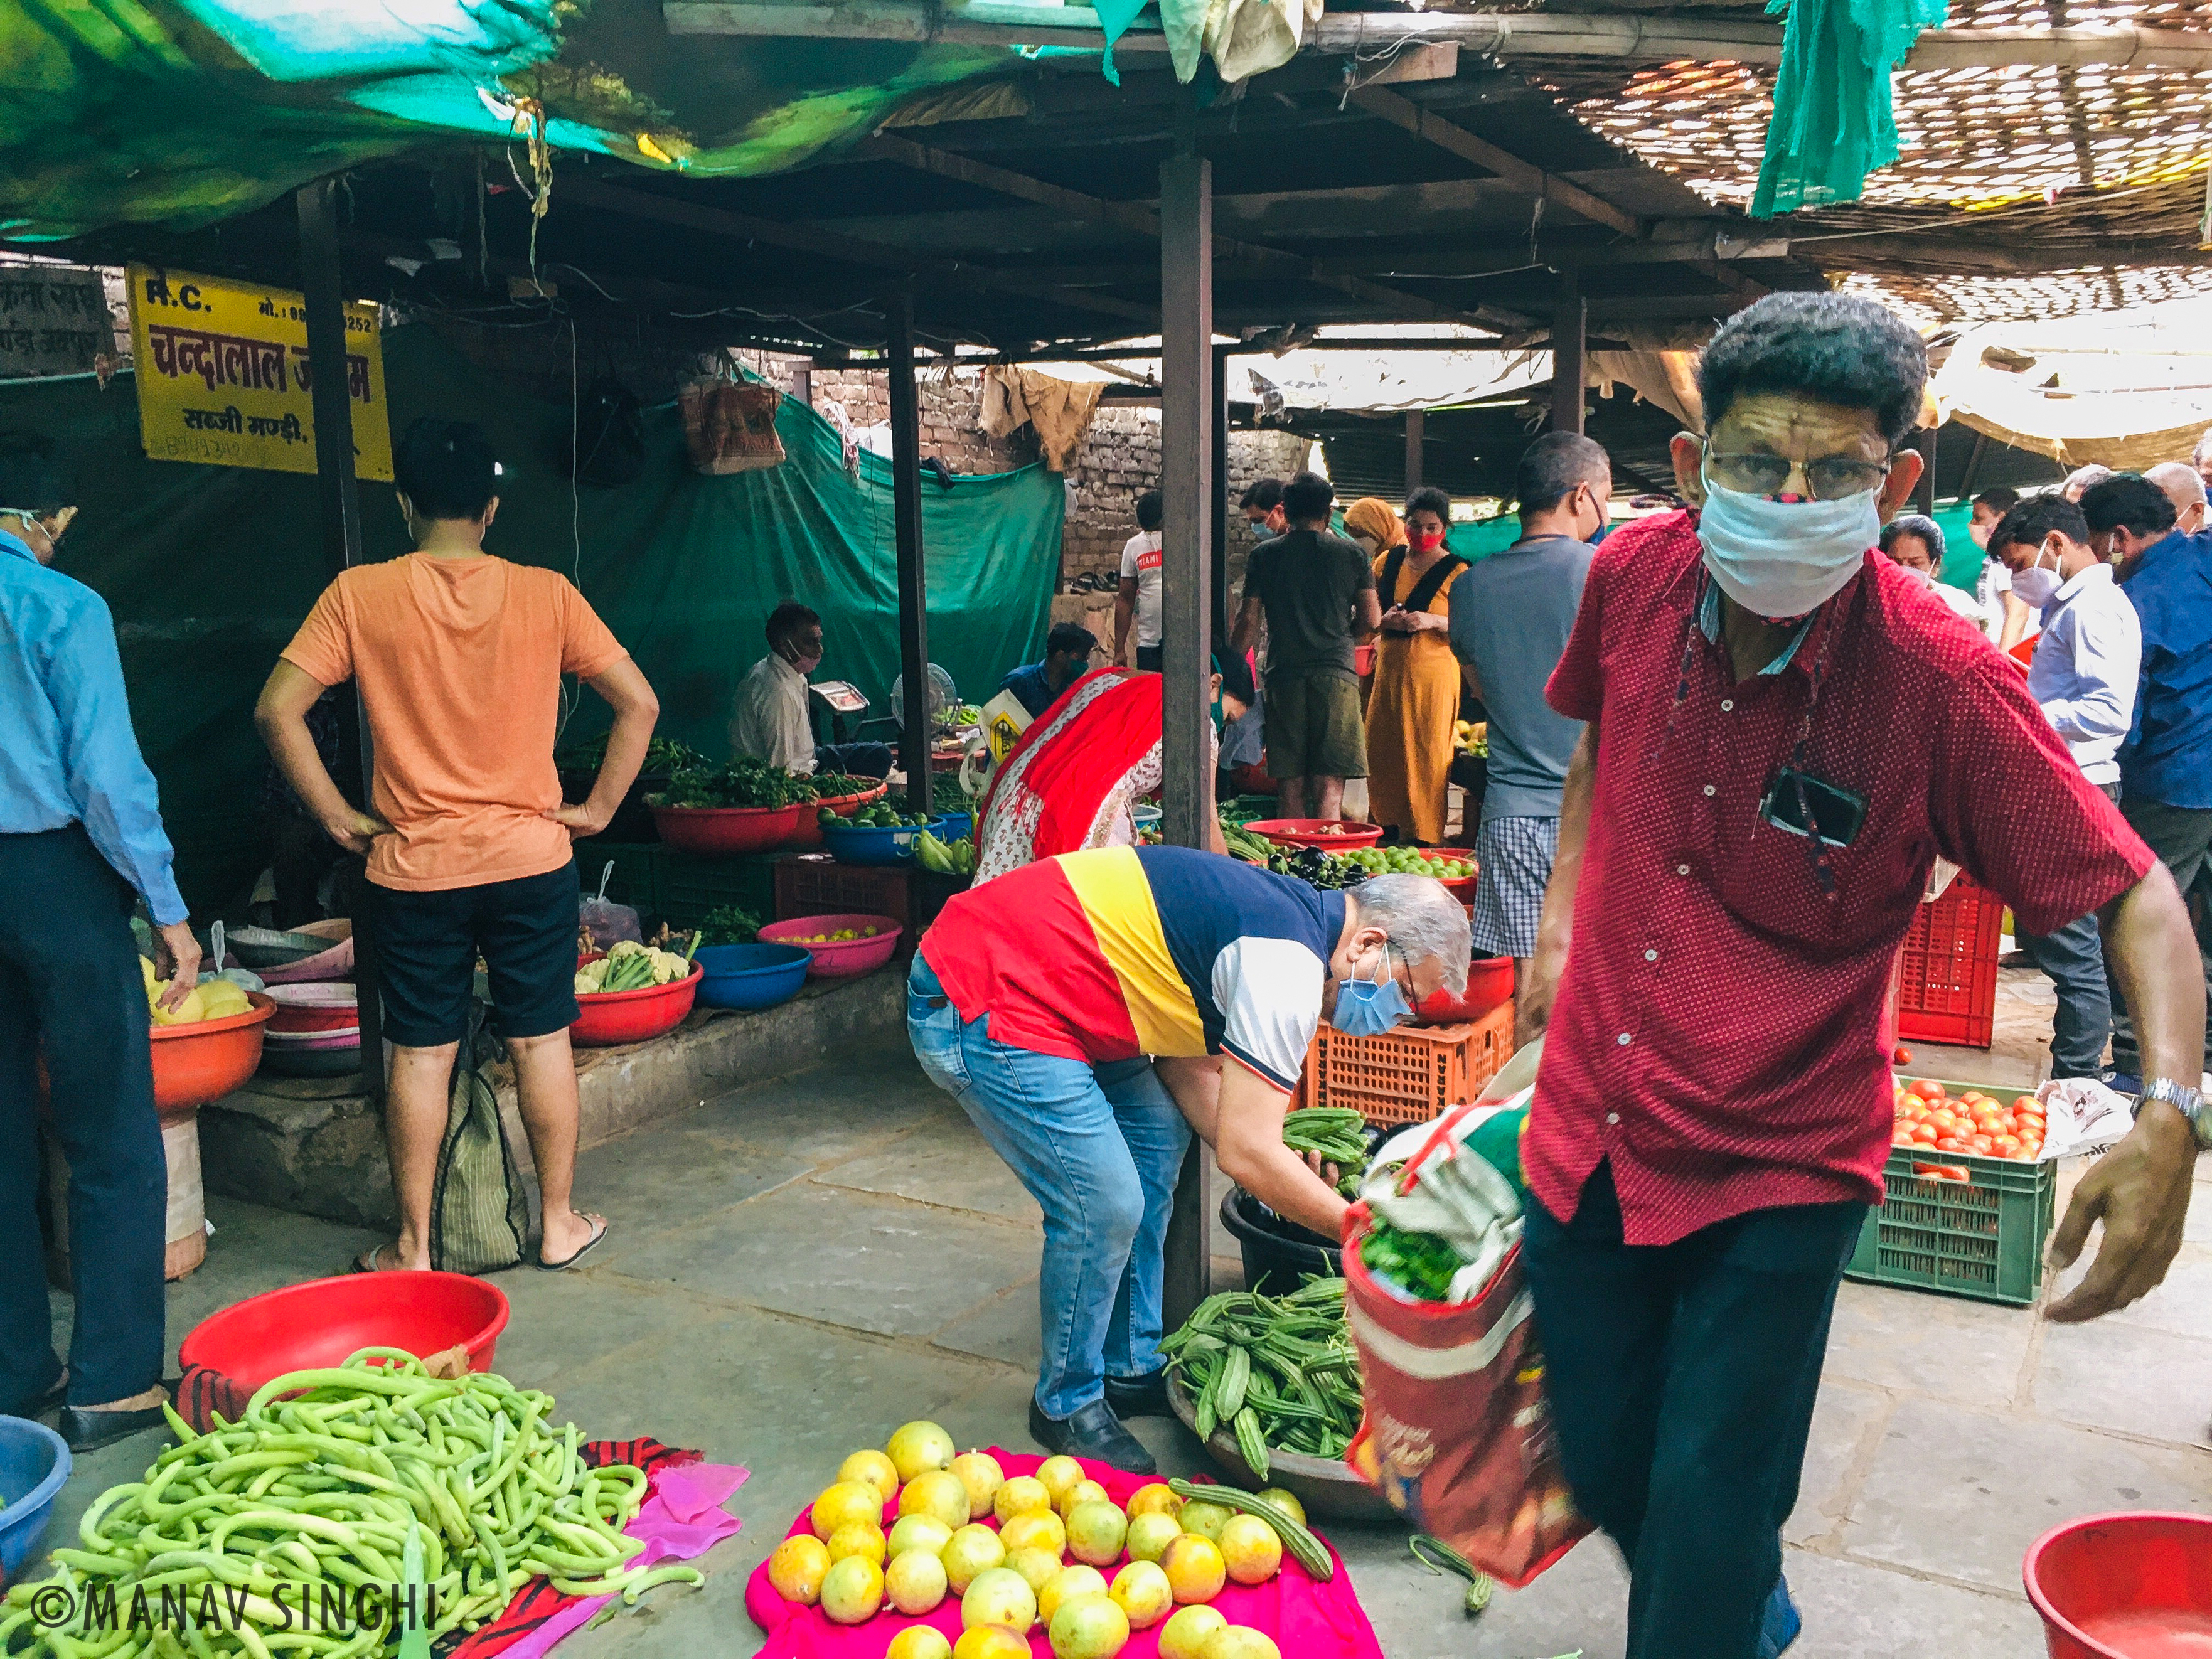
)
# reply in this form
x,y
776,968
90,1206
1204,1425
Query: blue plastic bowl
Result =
x,y
1147,817
751,975
34,1460
850,844
959,826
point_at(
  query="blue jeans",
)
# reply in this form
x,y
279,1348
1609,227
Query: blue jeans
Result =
x,y
2074,958
1099,1148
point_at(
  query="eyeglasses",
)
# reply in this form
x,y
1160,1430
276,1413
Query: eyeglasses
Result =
x,y
1831,478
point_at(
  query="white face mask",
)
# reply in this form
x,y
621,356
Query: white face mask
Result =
x,y
2035,586
1785,559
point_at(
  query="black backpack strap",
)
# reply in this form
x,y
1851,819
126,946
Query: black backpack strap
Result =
x,y
1426,590
1393,562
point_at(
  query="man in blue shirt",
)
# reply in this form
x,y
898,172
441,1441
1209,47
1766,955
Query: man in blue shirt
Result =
x,y
2165,764
1067,651
81,841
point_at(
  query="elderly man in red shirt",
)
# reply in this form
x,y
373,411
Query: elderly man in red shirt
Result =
x,y
1714,1107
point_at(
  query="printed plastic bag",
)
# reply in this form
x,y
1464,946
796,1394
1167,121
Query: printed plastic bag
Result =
x,y
1457,1434
2081,1114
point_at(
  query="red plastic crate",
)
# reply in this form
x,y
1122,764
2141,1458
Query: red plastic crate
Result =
x,y
1947,973
1407,1075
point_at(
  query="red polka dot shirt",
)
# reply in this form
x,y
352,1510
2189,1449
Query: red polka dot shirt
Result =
x,y
1720,1035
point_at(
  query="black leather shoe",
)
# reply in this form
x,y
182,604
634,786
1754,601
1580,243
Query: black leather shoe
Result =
x,y
86,1431
1139,1396
1093,1433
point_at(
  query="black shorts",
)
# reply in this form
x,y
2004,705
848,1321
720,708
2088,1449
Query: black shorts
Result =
x,y
427,944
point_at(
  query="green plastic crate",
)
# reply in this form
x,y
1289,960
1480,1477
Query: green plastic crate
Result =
x,y
1982,1237
691,885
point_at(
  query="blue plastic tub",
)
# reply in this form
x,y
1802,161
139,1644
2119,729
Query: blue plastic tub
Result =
x,y
751,975
959,826
34,1460
850,844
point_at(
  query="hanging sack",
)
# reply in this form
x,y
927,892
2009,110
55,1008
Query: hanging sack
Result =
x,y
1457,1434
729,426
479,1212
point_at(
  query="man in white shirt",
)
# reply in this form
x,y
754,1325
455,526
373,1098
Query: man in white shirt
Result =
x,y
1139,600
2006,624
2087,660
770,721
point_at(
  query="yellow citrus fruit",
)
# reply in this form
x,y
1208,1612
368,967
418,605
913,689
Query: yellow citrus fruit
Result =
x,y
1149,1534
858,1538
1195,1568
999,1596
796,1568
1035,1529
1023,1495
843,1504
971,1551
914,1583
937,1493
873,1468
852,1591
1155,1499
1038,1567
1088,1627
919,1532
1186,1635
1141,1591
1288,1502
1095,1532
1065,1585
1205,1519
991,1641
918,1642
1060,1475
1083,1491
1242,1642
1250,1549
916,1448
980,1472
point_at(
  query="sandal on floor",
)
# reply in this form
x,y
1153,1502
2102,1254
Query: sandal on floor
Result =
x,y
367,1262
598,1232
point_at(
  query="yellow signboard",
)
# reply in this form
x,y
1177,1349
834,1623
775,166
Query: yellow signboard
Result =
x,y
223,375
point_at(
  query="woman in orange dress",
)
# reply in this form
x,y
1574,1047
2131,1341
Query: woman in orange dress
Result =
x,y
1416,678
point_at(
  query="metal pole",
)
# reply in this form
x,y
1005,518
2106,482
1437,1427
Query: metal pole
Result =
x,y
338,494
912,584
1416,421
1924,493
1188,485
1570,335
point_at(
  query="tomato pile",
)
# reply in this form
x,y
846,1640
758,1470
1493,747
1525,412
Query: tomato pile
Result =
x,y
1969,1123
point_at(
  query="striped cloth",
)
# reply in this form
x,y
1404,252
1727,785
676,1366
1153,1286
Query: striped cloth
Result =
x,y
1513,863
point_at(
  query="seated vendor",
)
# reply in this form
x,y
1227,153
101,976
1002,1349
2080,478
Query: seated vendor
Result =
x,y
1089,1012
1067,651
771,721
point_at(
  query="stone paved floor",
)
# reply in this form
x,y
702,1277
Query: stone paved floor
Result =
x,y
797,1267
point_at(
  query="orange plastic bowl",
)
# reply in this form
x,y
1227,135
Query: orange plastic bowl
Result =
x,y
1330,834
316,1324
203,1062
607,1017
1460,887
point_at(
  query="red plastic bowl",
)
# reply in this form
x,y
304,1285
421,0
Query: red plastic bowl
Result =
x,y
204,1060
1363,659
326,1007
1489,983
1330,834
1460,887
607,1017
316,1324
810,827
2132,1586
846,958
731,829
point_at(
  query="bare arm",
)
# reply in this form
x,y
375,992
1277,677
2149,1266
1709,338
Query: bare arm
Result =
x,y
2141,1188
1239,1114
281,714
637,708
1125,610
1247,625
2016,622
1472,679
1555,928
1366,614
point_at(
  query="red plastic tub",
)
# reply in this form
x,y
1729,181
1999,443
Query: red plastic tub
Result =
x,y
608,1018
204,1060
1489,983
1460,887
330,1007
731,829
1330,834
845,959
305,1327
2132,1586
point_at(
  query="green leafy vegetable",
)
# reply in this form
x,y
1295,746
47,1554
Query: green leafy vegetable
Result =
x,y
1421,1264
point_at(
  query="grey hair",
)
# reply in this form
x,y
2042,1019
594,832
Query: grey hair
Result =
x,y
1422,920
2083,479
2182,484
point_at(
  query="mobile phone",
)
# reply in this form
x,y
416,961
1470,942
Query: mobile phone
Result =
x,y
1838,813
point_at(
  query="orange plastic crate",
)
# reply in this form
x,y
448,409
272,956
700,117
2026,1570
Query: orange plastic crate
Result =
x,y
1947,977
1407,1075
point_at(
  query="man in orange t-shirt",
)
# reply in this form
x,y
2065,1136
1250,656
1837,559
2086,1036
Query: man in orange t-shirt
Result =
x,y
458,658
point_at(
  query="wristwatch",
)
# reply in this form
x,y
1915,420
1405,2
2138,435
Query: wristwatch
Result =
x,y
2190,1102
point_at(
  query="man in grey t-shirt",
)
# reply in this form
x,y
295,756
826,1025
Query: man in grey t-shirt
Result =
x,y
1510,616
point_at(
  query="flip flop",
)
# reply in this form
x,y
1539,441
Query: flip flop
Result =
x,y
597,1233
367,1260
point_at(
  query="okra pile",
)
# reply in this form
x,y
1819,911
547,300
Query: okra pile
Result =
x,y
1279,1371
1338,1134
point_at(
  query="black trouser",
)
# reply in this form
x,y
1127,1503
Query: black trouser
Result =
x,y
2074,958
70,984
1681,1378
2182,838
854,760
1150,658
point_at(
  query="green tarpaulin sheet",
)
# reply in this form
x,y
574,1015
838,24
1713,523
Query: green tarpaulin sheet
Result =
x,y
209,571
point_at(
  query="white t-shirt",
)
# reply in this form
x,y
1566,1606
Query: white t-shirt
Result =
x,y
1140,560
